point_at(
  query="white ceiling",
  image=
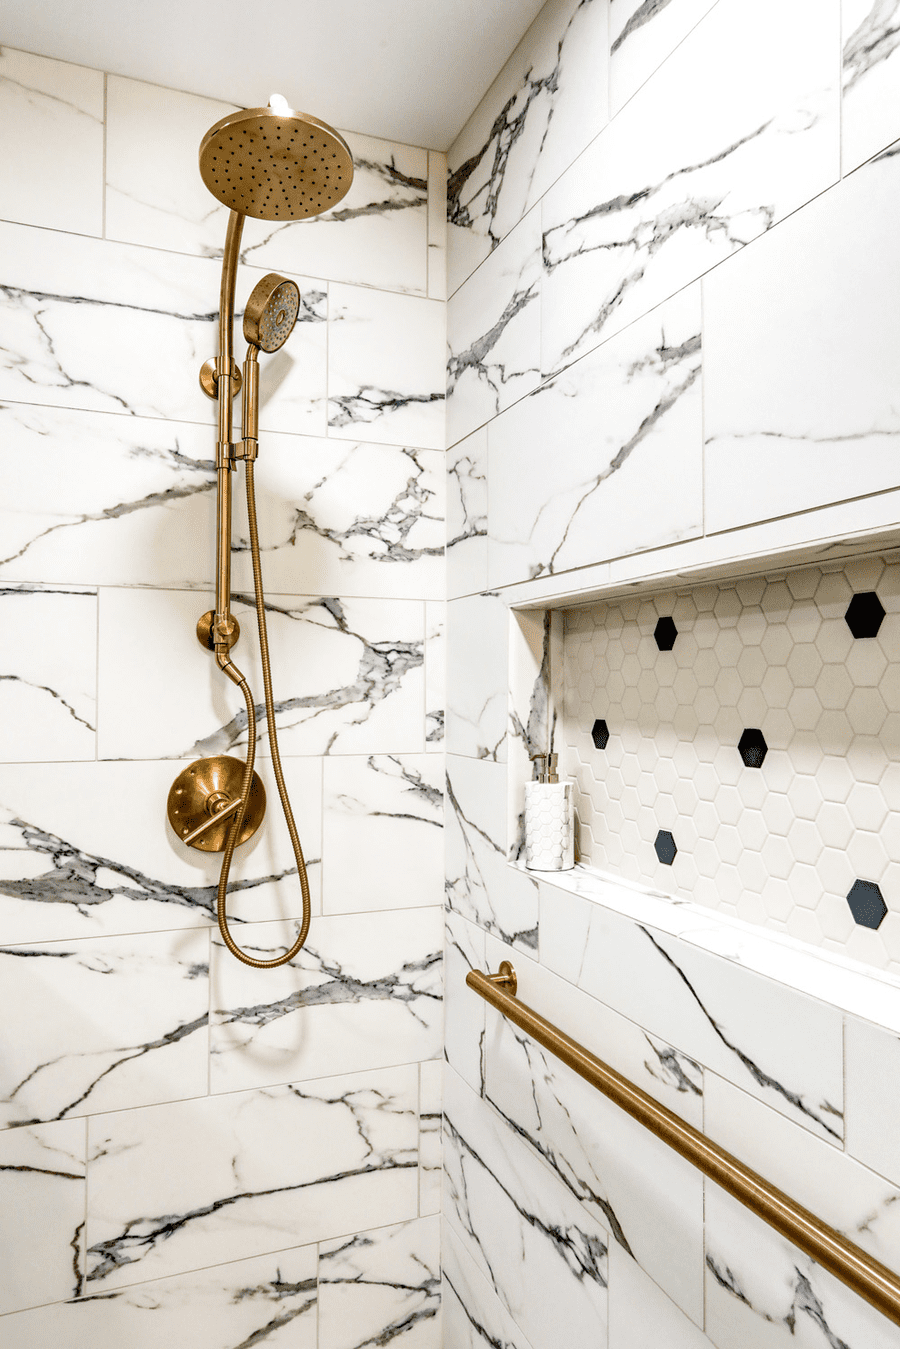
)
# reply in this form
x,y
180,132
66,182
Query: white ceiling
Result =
x,y
407,70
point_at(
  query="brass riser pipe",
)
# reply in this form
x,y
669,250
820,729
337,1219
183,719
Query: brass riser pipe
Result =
x,y
862,1273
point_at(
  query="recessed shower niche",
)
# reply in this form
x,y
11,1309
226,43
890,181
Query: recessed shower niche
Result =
x,y
761,735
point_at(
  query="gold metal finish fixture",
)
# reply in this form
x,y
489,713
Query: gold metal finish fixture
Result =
x,y
865,1275
209,379
204,798
206,635
271,312
275,166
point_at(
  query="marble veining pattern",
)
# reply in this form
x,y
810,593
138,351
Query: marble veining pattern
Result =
x,y
64,845
637,218
381,1287
521,1226
268,1300
389,810
365,992
467,516
346,1146
493,332
134,519
347,676
366,520
146,1039
545,106
48,713
480,886
623,418
42,1170
871,57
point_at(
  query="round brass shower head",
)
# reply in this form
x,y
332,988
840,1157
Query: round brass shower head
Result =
x,y
271,312
275,165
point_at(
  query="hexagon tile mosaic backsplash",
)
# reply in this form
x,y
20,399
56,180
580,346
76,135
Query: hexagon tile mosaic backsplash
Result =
x,y
750,760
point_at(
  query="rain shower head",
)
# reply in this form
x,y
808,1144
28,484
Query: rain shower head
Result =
x,y
275,164
271,312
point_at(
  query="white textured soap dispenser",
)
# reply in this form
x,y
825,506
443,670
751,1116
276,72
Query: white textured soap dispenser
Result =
x,y
549,819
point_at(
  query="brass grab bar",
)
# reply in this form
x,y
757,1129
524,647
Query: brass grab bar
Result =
x,y
862,1273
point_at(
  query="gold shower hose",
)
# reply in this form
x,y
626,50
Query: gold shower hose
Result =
x,y
236,677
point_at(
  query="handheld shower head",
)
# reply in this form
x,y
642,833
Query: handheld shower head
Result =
x,y
275,163
271,312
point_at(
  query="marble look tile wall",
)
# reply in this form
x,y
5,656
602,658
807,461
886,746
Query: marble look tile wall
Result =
x,y
248,1155
672,355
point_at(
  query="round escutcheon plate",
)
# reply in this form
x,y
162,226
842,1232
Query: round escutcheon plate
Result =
x,y
205,787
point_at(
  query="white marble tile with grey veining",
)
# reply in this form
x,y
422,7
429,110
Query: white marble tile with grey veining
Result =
x,y
364,992
649,1199
430,1150
871,71
388,810
345,517
382,1287
467,515
481,886
605,459
195,1183
642,34
463,1009
145,1039
386,368
473,1315
81,312
42,1170
477,679
854,1200
347,676
544,107
872,1084
707,1007
57,112
48,707
762,1293
74,863
109,500
270,1299
435,674
637,217
494,332
437,225
806,315
521,1225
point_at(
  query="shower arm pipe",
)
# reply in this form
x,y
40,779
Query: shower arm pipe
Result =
x,y
861,1272
224,623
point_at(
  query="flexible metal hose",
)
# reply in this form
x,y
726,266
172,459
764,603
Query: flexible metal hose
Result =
x,y
234,832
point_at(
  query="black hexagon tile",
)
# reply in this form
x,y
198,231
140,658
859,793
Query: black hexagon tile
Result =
x,y
665,633
600,734
665,847
866,903
753,748
864,614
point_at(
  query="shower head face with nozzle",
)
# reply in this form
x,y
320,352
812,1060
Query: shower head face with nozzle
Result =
x,y
271,312
275,165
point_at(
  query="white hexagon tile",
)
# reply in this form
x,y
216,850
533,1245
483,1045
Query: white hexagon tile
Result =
x,y
738,744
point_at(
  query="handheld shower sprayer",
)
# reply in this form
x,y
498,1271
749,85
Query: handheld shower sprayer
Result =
x,y
274,164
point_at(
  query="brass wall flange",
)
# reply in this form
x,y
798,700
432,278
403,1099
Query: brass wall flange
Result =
x,y
204,796
209,379
206,636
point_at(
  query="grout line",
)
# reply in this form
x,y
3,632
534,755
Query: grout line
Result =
x,y
103,178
